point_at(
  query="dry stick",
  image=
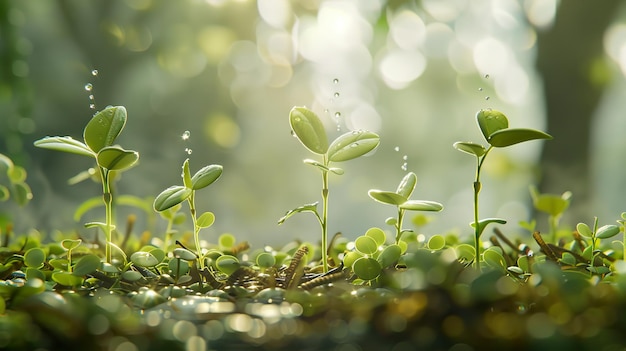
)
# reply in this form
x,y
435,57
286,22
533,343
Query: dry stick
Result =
x,y
547,250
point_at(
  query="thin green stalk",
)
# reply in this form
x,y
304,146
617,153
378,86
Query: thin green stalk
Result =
x,y
324,220
399,225
196,228
108,204
477,188
553,227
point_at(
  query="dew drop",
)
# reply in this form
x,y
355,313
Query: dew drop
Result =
x,y
354,144
326,111
186,135
338,127
337,114
335,81
94,72
405,157
91,97
486,76
486,97
188,151
480,89
405,166
92,106
397,148
293,134
89,87
336,95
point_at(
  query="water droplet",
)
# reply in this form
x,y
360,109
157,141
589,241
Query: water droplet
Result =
x,y
88,86
480,89
293,134
405,166
336,95
91,97
92,106
397,148
186,135
486,97
188,151
326,111
486,76
94,72
335,81
338,127
337,114
354,144
405,157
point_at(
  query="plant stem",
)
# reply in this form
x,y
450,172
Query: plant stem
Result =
x,y
108,204
196,229
324,221
399,225
553,227
477,188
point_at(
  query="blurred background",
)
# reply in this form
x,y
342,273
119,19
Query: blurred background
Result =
x,y
229,71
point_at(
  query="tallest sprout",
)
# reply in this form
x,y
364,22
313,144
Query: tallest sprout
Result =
x,y
495,128
308,128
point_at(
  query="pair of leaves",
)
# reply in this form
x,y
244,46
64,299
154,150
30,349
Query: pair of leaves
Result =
x,y
554,205
176,194
308,128
401,196
99,136
494,126
604,232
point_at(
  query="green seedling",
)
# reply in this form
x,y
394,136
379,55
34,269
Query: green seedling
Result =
x,y
177,194
371,256
595,235
309,130
494,126
622,223
400,199
16,188
99,136
553,205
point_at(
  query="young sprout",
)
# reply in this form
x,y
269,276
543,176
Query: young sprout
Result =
x,y
400,199
604,232
309,130
553,205
495,128
176,194
99,136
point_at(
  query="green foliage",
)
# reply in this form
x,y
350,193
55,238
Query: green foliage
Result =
x,y
13,182
309,129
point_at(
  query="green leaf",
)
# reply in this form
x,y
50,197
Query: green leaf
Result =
x,y
350,258
436,242
265,260
34,257
470,148
387,197
22,193
366,245
482,224
206,176
336,170
144,259
352,145
86,206
553,205
205,220
170,197
104,127
390,255
226,240
407,185
377,234
71,244
421,205
491,121
86,265
508,137
309,130
186,174
101,225
5,194
366,268
16,174
65,144
607,231
584,230
67,279
114,158
184,254
227,264
494,258
304,208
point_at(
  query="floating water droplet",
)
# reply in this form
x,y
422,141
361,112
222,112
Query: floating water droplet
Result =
x,y
486,97
480,89
405,166
405,157
336,95
335,81
186,135
326,111
91,97
92,106
486,76
293,134
397,148
94,72
338,127
337,114
89,87
188,151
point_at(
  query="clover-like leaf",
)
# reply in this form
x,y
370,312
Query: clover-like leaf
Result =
x,y
387,197
34,257
508,137
436,242
407,185
70,244
366,245
205,220
366,268
227,264
352,145
144,259
65,144
491,121
206,176
421,205
67,279
584,230
104,127
170,197
304,208
309,129
470,148
114,158
389,255
607,231
86,265
184,254
482,224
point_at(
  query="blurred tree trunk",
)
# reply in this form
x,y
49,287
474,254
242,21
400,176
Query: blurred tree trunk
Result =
x,y
570,60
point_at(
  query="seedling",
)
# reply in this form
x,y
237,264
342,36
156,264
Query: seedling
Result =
x,y
595,235
553,205
16,188
400,199
308,128
176,194
99,136
494,126
622,223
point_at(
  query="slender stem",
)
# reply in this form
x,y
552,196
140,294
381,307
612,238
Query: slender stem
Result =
x,y
553,227
477,187
399,225
196,229
324,221
108,204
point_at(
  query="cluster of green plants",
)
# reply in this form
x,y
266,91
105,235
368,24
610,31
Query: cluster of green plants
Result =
x,y
398,273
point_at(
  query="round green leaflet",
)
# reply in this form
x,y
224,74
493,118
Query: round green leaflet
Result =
x,y
170,197
227,264
436,242
265,260
309,129
114,158
377,234
390,255
206,176
34,257
491,121
206,220
607,231
184,254
86,265
407,185
144,259
104,127
366,245
352,145
367,268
